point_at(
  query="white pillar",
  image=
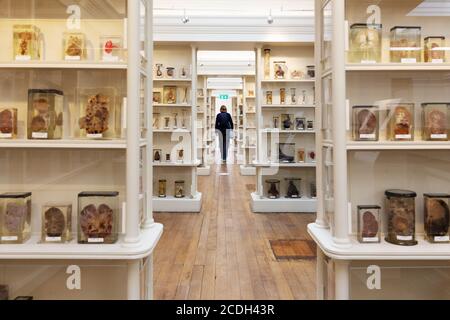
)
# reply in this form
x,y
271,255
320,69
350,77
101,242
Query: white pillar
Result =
x,y
342,280
194,186
320,274
133,283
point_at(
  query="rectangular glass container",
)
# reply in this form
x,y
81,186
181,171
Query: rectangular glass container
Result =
x,y
15,217
401,217
286,152
45,114
111,48
273,188
293,188
56,223
280,70
401,122
369,224
100,113
406,44
437,217
435,121
74,46
365,123
98,218
365,43
269,97
26,42
433,49
162,188
287,122
180,189
8,123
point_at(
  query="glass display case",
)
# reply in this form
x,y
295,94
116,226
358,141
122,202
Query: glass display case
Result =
x,y
15,217
45,114
74,46
162,188
369,224
401,122
365,43
435,121
365,123
434,51
8,123
100,113
111,48
98,217
406,44
273,188
56,223
437,217
26,42
293,189
179,189
401,217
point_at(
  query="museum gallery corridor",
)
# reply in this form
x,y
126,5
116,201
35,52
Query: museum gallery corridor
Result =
x,y
227,252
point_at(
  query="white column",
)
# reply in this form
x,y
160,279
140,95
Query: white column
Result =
x,y
133,127
150,289
320,274
259,121
342,280
133,283
194,119
339,126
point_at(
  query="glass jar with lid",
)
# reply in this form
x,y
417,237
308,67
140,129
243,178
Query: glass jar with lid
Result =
x,y
401,122
435,121
15,217
180,189
365,123
406,44
293,188
273,188
401,217
162,188
434,49
437,217
365,43
369,224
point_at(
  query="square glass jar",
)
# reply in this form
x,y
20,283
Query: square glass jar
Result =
x,y
8,123
100,113
437,217
435,121
401,122
15,217
369,224
74,45
111,48
434,51
56,223
293,188
286,152
45,114
406,44
26,42
180,189
280,70
98,218
365,123
365,43
273,188
162,188
401,217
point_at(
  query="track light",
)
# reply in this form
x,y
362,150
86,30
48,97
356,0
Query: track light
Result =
x,y
185,19
270,18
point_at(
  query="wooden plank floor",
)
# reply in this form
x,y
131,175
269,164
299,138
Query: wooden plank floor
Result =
x,y
224,252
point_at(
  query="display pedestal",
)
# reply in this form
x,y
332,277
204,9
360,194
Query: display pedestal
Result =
x,y
171,204
282,205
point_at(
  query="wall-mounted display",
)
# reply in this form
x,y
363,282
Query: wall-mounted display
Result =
x,y
170,95
365,43
98,218
273,188
157,155
293,188
179,189
8,123
401,217
287,122
435,121
56,223
434,51
369,224
45,114
437,217
365,123
26,42
15,217
280,70
74,46
100,113
401,122
406,44
159,71
111,48
269,97
286,152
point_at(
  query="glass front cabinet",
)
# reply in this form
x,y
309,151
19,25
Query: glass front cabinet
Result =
x,y
383,180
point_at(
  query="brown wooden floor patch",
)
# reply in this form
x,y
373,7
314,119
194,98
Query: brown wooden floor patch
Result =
x,y
293,249
251,187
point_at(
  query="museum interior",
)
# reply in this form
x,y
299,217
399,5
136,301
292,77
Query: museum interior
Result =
x,y
333,117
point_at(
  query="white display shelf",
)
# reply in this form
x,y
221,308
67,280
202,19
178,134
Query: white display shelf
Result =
x,y
247,171
172,204
172,80
399,145
283,106
289,81
424,250
284,165
288,131
282,205
66,144
399,67
177,164
173,105
64,65
33,250
172,131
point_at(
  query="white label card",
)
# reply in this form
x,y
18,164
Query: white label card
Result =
x,y
367,136
374,239
439,136
23,58
53,239
110,58
368,62
437,61
95,136
73,58
10,238
402,136
409,60
96,240
5,135
442,239
39,135
404,238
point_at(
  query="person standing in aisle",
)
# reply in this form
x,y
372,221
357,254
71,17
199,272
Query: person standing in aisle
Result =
x,y
225,127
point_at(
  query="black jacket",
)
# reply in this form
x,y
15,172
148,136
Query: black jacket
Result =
x,y
224,122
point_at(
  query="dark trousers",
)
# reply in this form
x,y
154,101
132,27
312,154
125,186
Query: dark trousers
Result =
x,y
224,142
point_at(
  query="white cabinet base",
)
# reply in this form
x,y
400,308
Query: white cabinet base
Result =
x,y
247,171
171,204
283,205
204,171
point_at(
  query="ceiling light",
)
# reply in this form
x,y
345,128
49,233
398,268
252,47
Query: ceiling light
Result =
x,y
185,19
270,18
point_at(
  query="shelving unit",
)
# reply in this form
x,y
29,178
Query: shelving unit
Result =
x,y
355,173
248,143
60,169
297,57
203,127
170,135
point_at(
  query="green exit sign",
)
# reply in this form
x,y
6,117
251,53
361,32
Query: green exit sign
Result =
x,y
224,97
